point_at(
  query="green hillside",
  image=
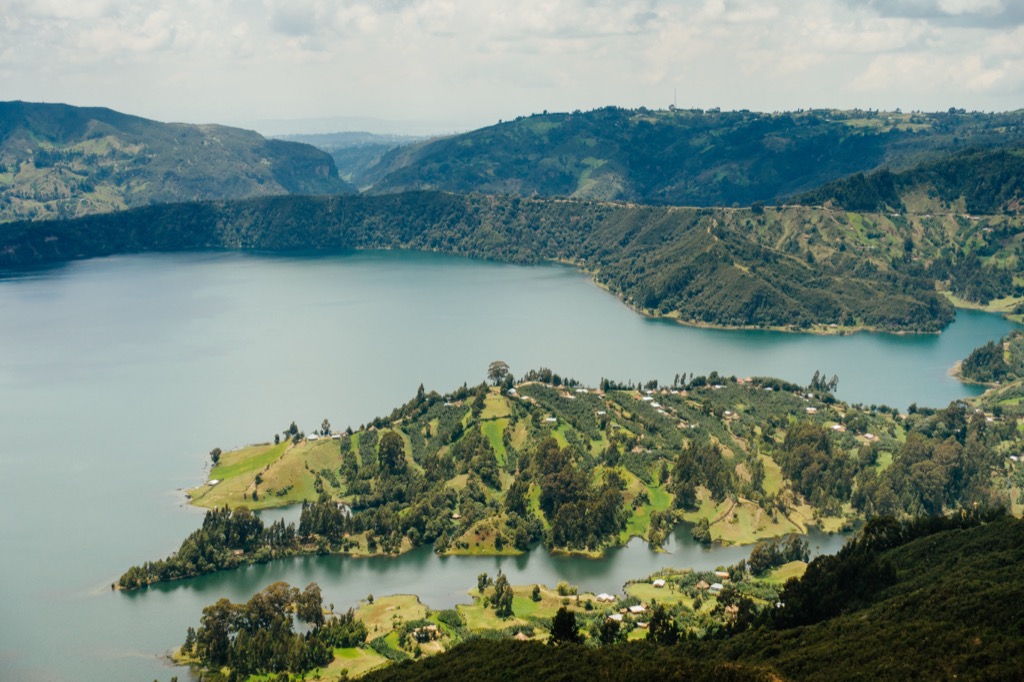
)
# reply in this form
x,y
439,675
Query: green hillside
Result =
x,y
931,600
488,471
683,157
59,161
797,268
984,181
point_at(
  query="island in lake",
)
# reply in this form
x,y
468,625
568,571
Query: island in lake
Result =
x,y
495,468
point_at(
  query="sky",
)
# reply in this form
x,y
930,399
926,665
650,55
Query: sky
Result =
x,y
420,66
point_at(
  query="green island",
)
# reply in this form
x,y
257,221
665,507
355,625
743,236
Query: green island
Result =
x,y
495,468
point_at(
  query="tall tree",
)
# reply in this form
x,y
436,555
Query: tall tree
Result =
x,y
391,453
564,629
497,371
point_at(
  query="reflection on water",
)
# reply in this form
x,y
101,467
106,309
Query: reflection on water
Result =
x,y
119,375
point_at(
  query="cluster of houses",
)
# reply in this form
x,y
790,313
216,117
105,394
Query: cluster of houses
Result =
x,y
634,611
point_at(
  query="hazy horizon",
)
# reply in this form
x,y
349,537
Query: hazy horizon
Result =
x,y
439,66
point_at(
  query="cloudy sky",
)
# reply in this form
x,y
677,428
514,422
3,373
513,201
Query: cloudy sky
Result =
x,y
456,64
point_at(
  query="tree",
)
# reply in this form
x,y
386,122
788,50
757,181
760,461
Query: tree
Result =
x,y
497,371
391,453
564,629
608,632
190,641
502,598
701,532
482,583
325,427
309,605
662,628
215,455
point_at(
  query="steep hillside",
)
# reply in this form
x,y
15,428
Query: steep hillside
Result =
x,y
979,181
795,269
682,157
62,161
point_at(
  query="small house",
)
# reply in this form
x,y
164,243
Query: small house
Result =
x,y
717,587
617,617
724,575
659,583
702,585
637,609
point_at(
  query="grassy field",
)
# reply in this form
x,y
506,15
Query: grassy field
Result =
x,y
495,406
385,613
524,610
639,521
494,430
287,467
772,475
481,539
794,569
350,663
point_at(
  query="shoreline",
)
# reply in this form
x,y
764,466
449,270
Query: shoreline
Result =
x,y
821,329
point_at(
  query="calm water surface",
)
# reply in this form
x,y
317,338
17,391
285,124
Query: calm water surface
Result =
x,y
118,375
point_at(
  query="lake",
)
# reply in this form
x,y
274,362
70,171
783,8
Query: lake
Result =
x,y
118,376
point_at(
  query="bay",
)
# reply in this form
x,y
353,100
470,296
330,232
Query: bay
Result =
x,y
118,375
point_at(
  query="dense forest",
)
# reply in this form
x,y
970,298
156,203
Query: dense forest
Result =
x,y
60,161
495,469
996,361
986,181
791,268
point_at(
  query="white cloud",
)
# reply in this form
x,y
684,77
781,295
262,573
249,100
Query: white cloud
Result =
x,y
484,60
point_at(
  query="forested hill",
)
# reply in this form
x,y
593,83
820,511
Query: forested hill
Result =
x,y
793,268
62,161
683,157
931,600
978,181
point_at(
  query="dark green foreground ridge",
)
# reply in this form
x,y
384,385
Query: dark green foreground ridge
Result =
x,y
935,599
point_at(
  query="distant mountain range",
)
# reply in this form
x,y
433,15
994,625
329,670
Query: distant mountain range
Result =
x,y
355,152
683,157
869,215
60,161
